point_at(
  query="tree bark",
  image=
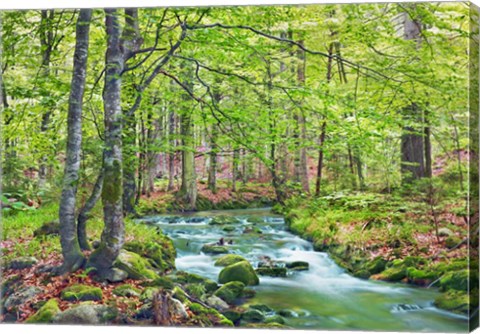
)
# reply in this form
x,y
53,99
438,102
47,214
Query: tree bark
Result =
x,y
114,230
236,157
212,170
428,144
188,189
171,154
73,258
84,214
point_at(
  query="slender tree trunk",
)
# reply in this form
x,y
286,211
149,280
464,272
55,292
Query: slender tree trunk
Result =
x,y
428,144
114,230
212,170
236,156
46,43
73,258
84,214
171,154
459,157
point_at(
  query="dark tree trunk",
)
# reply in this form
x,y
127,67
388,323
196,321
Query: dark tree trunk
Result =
x,y
73,258
188,189
84,214
428,144
236,157
413,163
114,231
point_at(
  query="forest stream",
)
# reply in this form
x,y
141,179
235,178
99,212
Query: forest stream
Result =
x,y
325,296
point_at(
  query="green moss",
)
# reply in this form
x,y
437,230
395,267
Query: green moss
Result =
x,y
229,228
225,322
232,315
452,241
126,290
240,271
255,220
457,280
214,249
161,253
147,293
229,259
252,315
275,319
420,276
376,266
112,190
162,281
393,274
45,314
362,273
224,220
271,325
179,294
136,266
262,308
454,301
81,292
230,291
184,277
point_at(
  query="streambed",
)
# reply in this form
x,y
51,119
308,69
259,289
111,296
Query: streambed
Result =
x,y
325,296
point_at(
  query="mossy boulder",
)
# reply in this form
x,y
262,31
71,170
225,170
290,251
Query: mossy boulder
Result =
x,y
224,220
148,293
452,241
217,303
20,296
272,271
241,272
162,282
255,220
362,273
422,277
393,274
262,308
253,315
230,291
287,313
297,265
248,293
454,301
161,253
376,266
21,263
179,294
189,278
126,290
87,313
214,249
45,314
229,228
136,266
49,228
228,260
252,230
232,315
270,325
80,292
456,280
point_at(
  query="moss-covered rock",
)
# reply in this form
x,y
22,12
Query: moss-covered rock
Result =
x,y
148,293
422,277
457,280
362,273
241,272
454,301
287,313
188,278
229,228
272,271
445,232
392,274
232,315
252,315
45,314
49,228
248,293
255,220
270,325
224,220
217,303
179,294
214,249
87,313
297,265
230,291
376,266
228,260
80,292
126,290
161,252
262,308
135,266
252,230
162,282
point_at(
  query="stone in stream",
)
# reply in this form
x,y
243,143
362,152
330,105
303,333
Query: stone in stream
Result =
x,y
240,271
230,291
214,249
297,265
255,220
253,315
224,220
262,308
272,271
229,259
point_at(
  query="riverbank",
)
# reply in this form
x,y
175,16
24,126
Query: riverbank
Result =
x,y
388,238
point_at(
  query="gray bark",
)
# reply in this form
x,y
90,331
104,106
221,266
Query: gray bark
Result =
x,y
212,170
84,214
188,190
73,259
114,231
171,154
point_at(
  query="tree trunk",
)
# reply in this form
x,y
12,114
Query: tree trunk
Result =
x,y
212,170
188,190
171,154
236,156
73,258
114,231
428,144
84,214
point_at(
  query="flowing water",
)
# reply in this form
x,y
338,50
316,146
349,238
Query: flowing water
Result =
x,y
325,296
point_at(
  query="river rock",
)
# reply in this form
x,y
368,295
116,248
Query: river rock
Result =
x,y
21,263
228,260
275,319
255,220
116,275
135,266
80,292
45,314
229,228
177,309
262,308
272,272
252,315
457,280
224,220
20,297
161,254
376,266
287,313
252,230
454,301
214,249
126,290
297,265
230,291
217,303
87,314
240,271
